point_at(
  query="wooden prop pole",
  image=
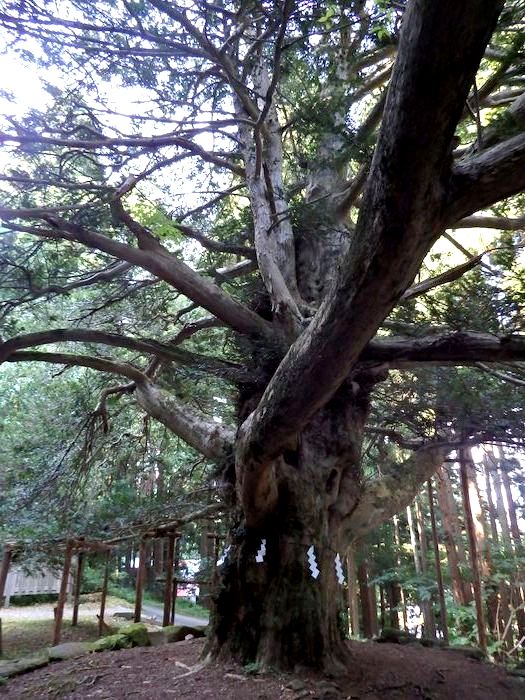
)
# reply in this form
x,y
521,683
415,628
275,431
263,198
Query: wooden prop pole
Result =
x,y
63,593
78,583
4,570
141,574
104,594
168,591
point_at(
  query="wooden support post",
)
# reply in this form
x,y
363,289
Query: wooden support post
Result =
x,y
141,574
78,583
63,593
435,541
4,570
175,584
168,590
104,594
173,601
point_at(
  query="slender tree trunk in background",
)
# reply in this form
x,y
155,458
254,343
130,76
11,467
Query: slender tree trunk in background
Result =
x,y
367,612
498,596
490,503
500,506
413,541
439,574
428,608
514,527
475,534
159,543
461,588
397,540
393,595
373,608
420,567
150,564
518,598
353,600
505,593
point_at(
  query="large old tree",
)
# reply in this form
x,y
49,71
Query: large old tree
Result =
x,y
328,147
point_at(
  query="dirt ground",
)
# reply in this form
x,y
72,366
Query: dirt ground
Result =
x,y
376,671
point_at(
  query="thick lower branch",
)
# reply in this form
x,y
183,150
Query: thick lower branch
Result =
x,y
213,440
383,497
71,360
159,262
486,178
458,348
163,351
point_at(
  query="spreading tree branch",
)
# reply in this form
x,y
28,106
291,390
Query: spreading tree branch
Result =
x,y
213,440
101,364
461,348
157,260
163,351
489,176
383,497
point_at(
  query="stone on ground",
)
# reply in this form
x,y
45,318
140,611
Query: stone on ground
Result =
x,y
69,650
27,663
124,614
178,633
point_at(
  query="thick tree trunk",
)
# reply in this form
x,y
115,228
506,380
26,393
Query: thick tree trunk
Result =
x,y
269,608
274,612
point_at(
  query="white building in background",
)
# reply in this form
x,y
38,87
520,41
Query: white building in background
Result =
x,y
39,583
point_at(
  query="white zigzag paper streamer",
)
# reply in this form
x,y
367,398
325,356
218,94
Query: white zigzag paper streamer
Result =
x,y
339,569
259,558
312,562
222,559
